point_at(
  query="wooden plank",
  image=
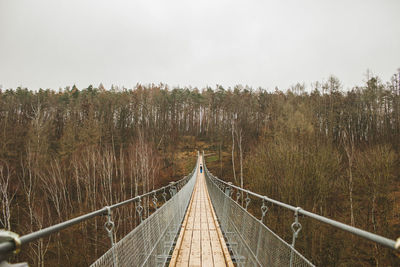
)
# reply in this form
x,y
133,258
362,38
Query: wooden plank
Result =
x,y
184,250
196,224
204,211
195,249
218,254
206,249
210,219
191,213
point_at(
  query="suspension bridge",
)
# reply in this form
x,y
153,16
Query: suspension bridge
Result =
x,y
199,220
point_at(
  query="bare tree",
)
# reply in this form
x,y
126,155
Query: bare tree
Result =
x,y
5,195
239,138
348,145
233,149
54,184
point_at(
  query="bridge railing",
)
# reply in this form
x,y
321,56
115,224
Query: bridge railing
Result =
x,y
231,203
151,243
155,235
250,241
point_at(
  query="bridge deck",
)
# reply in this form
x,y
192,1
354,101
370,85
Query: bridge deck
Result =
x,y
200,242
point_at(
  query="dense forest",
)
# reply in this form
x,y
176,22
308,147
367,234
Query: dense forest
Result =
x,y
331,151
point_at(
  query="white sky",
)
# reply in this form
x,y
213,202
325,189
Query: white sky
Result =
x,y
54,43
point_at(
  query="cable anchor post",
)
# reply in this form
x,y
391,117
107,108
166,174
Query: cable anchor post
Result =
x,y
109,226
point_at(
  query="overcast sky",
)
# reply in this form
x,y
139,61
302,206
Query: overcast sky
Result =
x,y
54,43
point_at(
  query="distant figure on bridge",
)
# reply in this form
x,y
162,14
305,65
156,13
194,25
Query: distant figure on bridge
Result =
x,y
201,169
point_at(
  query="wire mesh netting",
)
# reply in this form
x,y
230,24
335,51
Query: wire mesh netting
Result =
x,y
150,243
250,241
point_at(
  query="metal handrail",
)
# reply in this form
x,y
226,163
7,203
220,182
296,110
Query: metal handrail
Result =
x,y
354,230
9,246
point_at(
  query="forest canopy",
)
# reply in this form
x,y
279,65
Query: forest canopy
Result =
x,y
330,151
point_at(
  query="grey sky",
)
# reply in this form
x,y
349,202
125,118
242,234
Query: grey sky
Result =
x,y
53,43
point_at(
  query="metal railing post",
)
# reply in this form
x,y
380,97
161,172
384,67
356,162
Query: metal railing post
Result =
x,y
154,200
109,226
264,210
139,209
296,227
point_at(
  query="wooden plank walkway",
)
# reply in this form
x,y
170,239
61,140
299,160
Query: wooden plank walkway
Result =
x,y
200,242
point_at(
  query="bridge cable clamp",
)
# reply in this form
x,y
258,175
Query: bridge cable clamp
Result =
x,y
172,189
296,226
237,196
6,236
247,200
154,200
109,225
139,209
264,210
